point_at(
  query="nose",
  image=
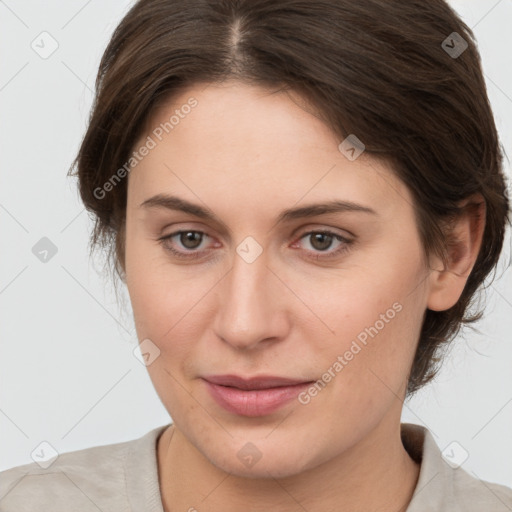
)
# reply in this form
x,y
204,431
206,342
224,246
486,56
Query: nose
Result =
x,y
251,305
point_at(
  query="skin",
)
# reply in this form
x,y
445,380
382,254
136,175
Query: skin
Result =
x,y
247,154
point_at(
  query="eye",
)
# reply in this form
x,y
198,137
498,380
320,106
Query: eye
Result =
x,y
190,241
321,241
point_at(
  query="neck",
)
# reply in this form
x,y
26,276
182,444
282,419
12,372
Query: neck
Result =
x,y
377,475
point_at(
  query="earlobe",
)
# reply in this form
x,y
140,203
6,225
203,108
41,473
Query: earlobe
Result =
x,y
463,246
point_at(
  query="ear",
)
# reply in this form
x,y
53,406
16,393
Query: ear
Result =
x,y
464,242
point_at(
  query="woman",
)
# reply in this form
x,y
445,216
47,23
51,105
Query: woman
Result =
x,y
302,199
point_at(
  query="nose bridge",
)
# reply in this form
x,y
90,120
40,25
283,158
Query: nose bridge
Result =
x,y
246,312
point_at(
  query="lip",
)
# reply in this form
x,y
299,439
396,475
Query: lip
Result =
x,y
255,396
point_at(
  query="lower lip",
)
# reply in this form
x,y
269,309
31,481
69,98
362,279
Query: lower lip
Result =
x,y
254,402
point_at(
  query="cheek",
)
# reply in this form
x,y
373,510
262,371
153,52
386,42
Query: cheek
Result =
x,y
165,310
169,302
151,284
165,305
375,318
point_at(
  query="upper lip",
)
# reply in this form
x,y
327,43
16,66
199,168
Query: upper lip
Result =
x,y
261,382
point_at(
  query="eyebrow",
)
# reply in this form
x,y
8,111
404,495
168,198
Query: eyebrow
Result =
x,y
176,203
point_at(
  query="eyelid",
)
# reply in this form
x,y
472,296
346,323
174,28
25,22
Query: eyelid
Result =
x,y
344,233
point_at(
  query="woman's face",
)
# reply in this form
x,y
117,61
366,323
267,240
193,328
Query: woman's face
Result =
x,y
254,293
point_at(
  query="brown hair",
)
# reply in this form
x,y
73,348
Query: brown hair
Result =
x,y
376,69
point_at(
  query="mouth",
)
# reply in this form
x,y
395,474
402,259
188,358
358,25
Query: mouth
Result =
x,y
255,396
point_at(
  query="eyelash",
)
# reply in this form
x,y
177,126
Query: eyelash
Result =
x,y
346,243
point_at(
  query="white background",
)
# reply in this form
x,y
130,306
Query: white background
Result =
x,y
67,372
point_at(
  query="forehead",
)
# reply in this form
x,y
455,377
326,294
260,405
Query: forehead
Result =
x,y
252,147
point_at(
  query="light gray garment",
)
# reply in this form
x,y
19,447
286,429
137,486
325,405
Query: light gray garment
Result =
x,y
123,477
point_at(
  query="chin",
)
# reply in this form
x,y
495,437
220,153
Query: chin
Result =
x,y
276,468
250,462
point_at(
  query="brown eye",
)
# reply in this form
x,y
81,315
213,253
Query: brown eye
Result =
x,y
184,244
190,239
321,241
